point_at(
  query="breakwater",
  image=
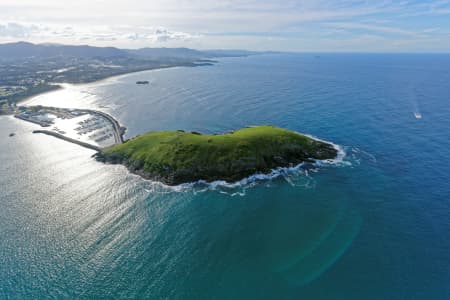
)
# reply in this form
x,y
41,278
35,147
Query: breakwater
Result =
x,y
65,138
39,117
118,130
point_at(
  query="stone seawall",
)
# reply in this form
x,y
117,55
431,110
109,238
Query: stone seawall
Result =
x,y
65,138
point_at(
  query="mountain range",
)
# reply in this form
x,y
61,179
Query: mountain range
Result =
x,y
25,50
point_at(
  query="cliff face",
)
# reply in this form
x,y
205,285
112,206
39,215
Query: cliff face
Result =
x,y
175,157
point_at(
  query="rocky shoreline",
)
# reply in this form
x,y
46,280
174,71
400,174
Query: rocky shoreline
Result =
x,y
284,155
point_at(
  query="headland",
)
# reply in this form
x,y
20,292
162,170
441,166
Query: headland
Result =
x,y
175,157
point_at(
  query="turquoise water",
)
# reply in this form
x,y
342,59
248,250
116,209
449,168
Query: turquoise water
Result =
x,y
374,226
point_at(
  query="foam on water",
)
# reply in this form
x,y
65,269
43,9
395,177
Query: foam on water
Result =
x,y
298,175
71,227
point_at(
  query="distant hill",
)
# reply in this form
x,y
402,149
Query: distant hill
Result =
x,y
156,53
23,50
231,53
29,50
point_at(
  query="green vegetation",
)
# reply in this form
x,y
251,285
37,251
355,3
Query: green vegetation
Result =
x,y
176,156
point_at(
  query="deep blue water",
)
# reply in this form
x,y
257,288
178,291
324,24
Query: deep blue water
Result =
x,y
375,226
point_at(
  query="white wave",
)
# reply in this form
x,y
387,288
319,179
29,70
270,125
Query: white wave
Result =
x,y
358,154
340,150
298,175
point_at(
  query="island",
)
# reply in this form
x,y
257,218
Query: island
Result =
x,y
175,157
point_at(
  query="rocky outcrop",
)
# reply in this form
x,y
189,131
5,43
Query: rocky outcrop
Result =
x,y
214,163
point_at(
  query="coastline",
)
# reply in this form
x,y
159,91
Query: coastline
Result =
x,y
119,130
251,179
274,163
56,87
61,85
272,173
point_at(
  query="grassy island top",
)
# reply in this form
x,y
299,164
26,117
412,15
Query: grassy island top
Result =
x,y
177,156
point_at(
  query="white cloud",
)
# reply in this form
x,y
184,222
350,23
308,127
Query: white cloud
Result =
x,y
55,33
157,35
374,28
16,30
253,24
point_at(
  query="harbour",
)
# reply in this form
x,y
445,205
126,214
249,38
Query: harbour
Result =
x,y
88,128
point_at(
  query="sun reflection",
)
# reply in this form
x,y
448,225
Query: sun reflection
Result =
x,y
70,96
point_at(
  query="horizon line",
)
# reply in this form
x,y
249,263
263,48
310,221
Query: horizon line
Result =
x,y
236,49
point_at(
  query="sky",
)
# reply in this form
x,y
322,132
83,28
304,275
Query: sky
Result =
x,y
279,25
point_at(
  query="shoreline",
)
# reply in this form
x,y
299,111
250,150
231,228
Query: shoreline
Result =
x,y
322,153
61,85
271,174
57,87
249,180
119,130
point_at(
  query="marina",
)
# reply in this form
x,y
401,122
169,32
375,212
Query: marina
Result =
x,y
87,128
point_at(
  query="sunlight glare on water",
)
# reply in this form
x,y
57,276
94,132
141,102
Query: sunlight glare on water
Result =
x,y
370,227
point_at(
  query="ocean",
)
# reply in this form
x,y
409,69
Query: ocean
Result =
x,y
374,225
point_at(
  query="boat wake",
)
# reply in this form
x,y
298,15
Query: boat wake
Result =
x,y
418,115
